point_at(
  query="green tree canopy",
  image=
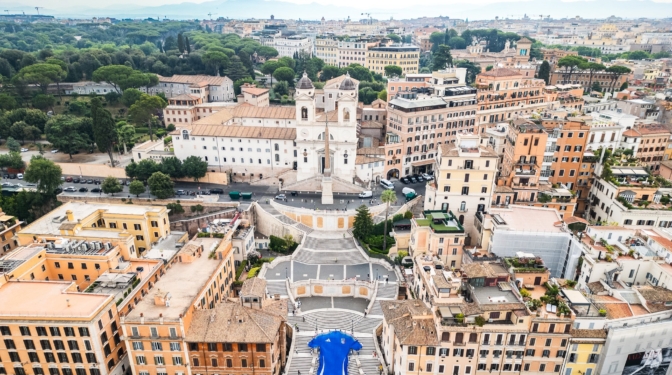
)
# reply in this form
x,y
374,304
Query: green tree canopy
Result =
x,y
45,173
111,185
130,96
194,167
160,185
41,74
13,146
395,38
104,128
544,72
442,58
136,188
363,224
393,71
172,166
284,74
43,101
143,110
121,77
67,133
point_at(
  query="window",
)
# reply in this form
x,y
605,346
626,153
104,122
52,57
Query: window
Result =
x,y
430,350
137,227
177,361
156,346
174,346
262,363
411,366
243,362
138,345
242,347
412,350
542,367
213,362
91,358
158,360
428,367
546,353
229,362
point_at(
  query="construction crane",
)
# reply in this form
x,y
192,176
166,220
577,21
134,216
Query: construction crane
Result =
x,y
211,14
370,19
38,10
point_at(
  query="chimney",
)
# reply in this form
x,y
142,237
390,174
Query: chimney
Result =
x,y
67,301
162,298
70,215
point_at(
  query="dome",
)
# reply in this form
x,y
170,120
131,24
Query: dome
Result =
x,y
305,83
347,83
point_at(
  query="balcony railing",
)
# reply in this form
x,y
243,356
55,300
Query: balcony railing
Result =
x,y
525,172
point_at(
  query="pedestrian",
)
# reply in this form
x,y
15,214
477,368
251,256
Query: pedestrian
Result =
x,y
365,313
298,371
304,318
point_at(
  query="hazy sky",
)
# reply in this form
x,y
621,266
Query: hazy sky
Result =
x,y
337,9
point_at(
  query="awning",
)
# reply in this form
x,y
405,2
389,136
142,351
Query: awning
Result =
x,y
422,162
6,217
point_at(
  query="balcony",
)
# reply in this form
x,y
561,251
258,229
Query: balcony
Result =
x,y
525,172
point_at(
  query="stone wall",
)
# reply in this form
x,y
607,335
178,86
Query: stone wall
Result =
x,y
323,219
269,225
104,170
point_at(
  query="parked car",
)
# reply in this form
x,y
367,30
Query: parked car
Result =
x,y
68,179
427,177
180,192
6,175
96,190
19,176
413,179
58,191
216,191
281,197
54,151
405,180
62,178
89,181
205,192
24,150
366,194
70,189
420,179
7,184
97,182
12,176
83,190
75,180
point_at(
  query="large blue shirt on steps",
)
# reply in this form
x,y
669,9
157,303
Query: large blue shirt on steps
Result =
x,y
334,348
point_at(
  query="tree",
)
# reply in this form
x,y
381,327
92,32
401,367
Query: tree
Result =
x,y
32,132
144,110
125,133
395,38
489,68
591,67
215,60
13,145
457,43
388,196
382,95
363,223
130,96
40,74
392,71
122,77
288,62
544,71
472,70
7,102
136,188
236,69
285,74
437,38
269,67
18,131
42,101
596,87
145,169
329,72
616,72
104,128
661,55
623,86
173,167
43,172
67,133
281,88
187,45
571,64
194,167
638,55
180,42
111,185
442,58
160,185
358,72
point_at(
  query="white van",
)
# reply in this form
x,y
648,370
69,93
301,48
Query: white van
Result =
x,y
19,176
366,194
387,184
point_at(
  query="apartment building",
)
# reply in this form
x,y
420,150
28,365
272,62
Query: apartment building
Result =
x,y
327,50
414,82
643,109
570,146
418,123
607,129
353,52
254,96
505,94
136,228
9,226
464,178
653,142
208,88
155,331
604,79
440,235
525,148
407,57
287,46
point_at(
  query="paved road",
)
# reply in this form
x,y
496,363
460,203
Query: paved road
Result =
x,y
261,193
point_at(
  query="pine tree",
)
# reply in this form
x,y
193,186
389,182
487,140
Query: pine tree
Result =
x,y
363,223
180,42
544,71
236,69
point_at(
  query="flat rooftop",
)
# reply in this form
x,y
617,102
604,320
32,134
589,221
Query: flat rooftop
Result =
x,y
47,299
517,218
183,281
49,225
166,249
487,295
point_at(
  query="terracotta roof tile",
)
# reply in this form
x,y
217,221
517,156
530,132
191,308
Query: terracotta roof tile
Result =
x,y
243,131
231,322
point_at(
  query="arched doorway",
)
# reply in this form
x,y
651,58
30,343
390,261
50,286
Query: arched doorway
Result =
x,y
392,173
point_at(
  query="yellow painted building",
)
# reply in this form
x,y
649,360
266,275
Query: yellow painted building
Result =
x,y
583,352
406,57
134,227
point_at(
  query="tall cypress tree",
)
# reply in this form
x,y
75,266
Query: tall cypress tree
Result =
x,y
186,45
104,129
180,42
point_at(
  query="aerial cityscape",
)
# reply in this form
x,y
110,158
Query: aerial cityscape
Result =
x,y
289,187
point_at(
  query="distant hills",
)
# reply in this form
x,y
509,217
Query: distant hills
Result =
x,y
280,9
